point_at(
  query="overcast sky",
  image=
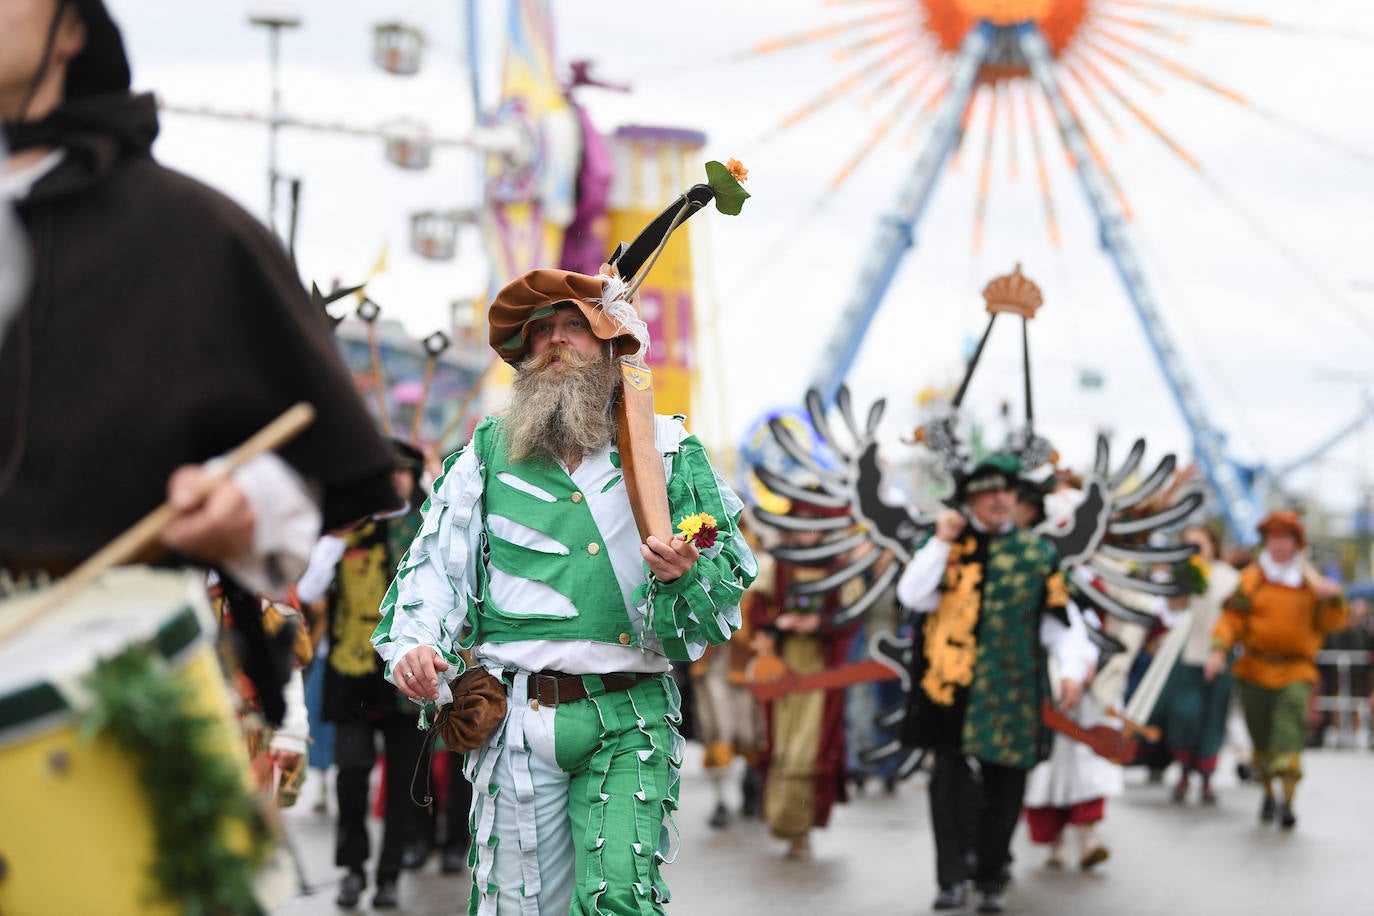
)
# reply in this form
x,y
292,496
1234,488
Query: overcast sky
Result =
x,y
1278,358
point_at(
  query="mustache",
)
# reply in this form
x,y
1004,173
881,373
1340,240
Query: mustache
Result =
x,y
567,356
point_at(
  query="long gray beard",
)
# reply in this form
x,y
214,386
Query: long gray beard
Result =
x,y
560,410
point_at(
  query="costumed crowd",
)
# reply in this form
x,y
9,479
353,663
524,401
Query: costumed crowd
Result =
x,y
516,625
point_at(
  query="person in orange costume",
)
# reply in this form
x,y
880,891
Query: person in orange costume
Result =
x,y
1278,614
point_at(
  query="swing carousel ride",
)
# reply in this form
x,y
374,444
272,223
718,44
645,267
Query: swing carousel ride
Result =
x,y
998,90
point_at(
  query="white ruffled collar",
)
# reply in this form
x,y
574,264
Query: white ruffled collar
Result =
x,y
1289,574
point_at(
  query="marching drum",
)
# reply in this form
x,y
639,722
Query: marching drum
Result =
x,y
76,831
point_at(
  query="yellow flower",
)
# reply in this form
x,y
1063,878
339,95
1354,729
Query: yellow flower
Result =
x,y
737,170
692,524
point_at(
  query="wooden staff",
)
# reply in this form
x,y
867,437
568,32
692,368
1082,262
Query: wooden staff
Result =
x,y
144,532
435,344
641,460
420,404
369,311
1310,575
646,483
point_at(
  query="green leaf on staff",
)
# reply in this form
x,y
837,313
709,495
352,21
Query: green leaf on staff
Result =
x,y
730,196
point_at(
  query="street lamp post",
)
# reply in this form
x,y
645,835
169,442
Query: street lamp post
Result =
x,y
274,21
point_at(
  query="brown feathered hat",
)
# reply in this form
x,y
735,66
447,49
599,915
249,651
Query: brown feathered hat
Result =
x,y
536,294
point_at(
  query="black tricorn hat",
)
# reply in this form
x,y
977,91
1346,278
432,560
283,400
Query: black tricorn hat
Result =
x,y
102,66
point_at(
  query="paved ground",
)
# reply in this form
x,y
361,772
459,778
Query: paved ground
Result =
x,y
877,858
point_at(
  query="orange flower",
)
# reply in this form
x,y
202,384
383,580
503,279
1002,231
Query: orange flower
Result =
x,y
737,170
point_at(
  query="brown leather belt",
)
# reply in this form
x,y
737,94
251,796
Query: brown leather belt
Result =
x,y
549,688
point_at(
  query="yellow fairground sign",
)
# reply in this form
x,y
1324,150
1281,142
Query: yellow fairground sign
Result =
x,y
653,165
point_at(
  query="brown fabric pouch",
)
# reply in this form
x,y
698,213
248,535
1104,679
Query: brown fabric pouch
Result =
x,y
479,705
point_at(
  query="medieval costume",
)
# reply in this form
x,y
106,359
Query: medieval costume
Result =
x,y
159,299
805,758
163,327
993,598
357,699
1278,615
1071,789
1193,710
728,719
271,635
996,603
535,567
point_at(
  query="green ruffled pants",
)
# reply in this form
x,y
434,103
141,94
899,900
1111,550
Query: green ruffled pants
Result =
x,y
572,804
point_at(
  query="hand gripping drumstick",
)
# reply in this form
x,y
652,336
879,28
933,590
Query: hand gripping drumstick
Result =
x,y
129,544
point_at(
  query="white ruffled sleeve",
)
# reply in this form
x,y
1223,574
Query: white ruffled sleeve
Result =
x,y
436,583
919,586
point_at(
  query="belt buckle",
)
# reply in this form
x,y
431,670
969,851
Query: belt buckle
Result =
x,y
550,677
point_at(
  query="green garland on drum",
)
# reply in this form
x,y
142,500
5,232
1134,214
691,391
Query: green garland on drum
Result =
x,y
197,797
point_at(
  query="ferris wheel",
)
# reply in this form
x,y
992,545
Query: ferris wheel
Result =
x,y
1022,76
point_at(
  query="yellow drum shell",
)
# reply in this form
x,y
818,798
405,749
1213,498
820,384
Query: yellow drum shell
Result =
x,y
76,834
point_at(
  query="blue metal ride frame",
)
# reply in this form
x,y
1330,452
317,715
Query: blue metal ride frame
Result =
x,y
1239,501
895,233
1235,486
1330,442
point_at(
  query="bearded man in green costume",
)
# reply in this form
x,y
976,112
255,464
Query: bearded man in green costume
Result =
x,y
530,559
995,603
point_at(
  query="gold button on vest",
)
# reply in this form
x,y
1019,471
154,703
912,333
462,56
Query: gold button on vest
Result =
x,y
624,639
576,497
593,548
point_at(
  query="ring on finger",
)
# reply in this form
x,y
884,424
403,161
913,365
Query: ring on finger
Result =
x,y
409,675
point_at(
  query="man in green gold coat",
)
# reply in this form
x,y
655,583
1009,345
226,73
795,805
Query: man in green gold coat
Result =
x,y
995,603
530,559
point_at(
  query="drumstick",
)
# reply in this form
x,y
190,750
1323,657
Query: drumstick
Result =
x,y
129,544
